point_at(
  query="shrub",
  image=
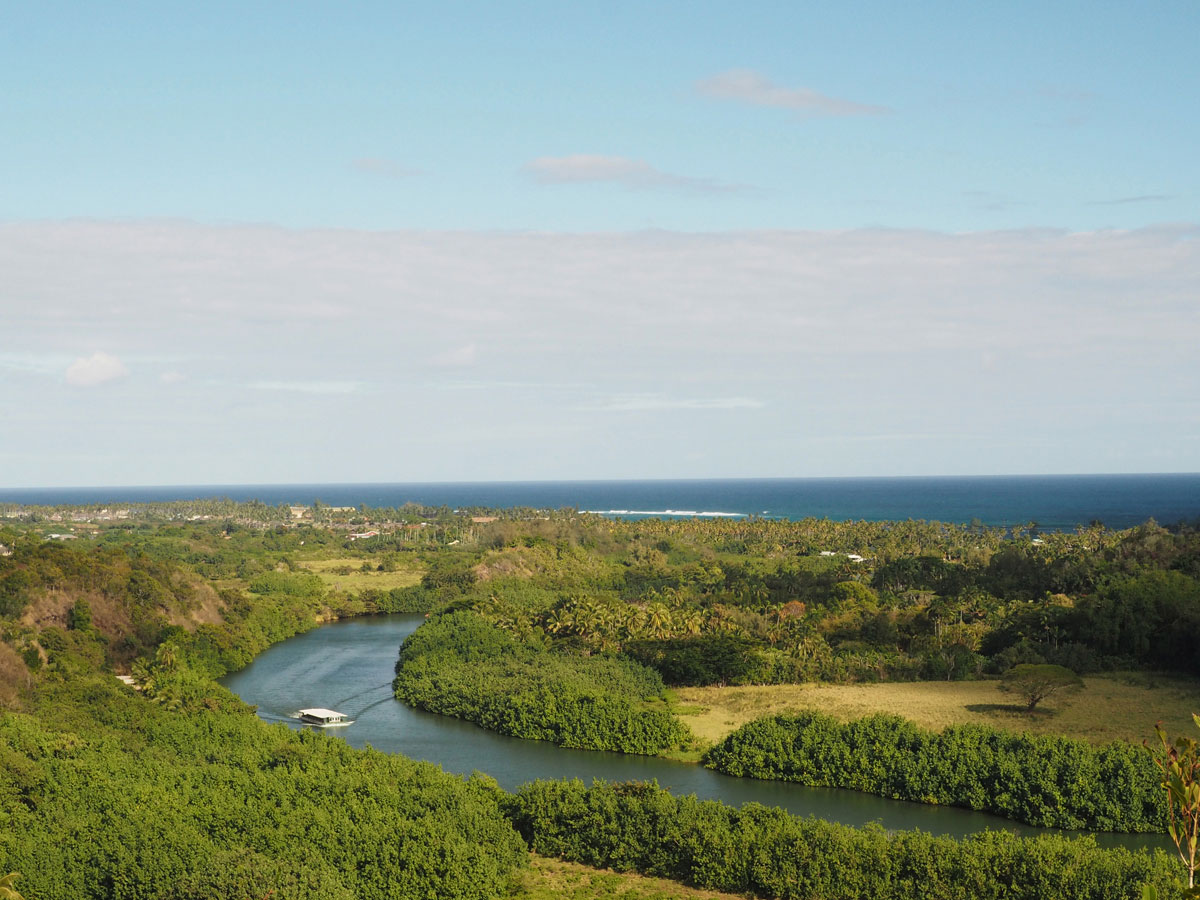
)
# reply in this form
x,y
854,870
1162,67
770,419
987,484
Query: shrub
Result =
x,y
769,853
460,665
1043,781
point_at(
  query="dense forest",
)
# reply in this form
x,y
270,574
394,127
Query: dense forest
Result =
x,y
758,602
561,627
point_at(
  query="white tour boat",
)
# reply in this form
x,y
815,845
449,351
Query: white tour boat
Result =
x,y
325,718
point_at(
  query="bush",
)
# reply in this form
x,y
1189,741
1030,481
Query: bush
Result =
x,y
769,853
1043,781
460,665
109,796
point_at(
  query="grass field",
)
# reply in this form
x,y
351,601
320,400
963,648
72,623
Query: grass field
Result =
x,y
551,879
1111,707
331,571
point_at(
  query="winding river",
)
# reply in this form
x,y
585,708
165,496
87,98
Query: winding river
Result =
x,y
348,666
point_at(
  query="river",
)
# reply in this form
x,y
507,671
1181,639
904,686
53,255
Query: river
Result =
x,y
349,666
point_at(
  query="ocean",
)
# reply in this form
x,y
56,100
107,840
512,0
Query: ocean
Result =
x,y
1053,502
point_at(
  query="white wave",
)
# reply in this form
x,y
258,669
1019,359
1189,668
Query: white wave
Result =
x,y
691,513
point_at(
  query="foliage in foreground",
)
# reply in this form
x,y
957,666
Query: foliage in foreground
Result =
x,y
769,853
1049,782
108,796
459,665
1179,762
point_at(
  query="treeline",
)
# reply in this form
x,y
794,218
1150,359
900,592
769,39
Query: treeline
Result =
x,y
928,600
776,601
460,665
259,514
1050,782
768,853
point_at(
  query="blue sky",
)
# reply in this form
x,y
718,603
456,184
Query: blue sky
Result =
x,y
598,240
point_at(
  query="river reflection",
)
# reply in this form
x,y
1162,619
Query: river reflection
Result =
x,y
349,665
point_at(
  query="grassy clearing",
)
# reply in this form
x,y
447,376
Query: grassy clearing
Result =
x,y
332,572
1111,707
552,879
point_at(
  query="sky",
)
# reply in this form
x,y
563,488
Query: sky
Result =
x,y
313,242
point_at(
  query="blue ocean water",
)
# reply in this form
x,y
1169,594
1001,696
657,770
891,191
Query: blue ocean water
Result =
x,y
1054,502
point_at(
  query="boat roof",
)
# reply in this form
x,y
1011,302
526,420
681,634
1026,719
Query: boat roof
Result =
x,y
321,713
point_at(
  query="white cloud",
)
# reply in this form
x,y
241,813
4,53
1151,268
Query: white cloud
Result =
x,y
754,88
89,371
171,377
1000,335
582,168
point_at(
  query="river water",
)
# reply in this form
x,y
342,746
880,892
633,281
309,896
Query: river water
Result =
x,y
349,666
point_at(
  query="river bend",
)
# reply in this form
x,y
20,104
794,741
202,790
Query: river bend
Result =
x,y
349,666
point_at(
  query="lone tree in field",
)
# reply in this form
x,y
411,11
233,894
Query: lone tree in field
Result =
x,y
1035,683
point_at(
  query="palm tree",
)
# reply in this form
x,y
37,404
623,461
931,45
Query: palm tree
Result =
x,y
167,656
776,631
692,622
658,621
560,621
635,622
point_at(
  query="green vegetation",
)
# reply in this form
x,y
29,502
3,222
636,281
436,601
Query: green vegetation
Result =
x,y
460,665
755,602
728,601
769,853
107,796
559,627
1043,781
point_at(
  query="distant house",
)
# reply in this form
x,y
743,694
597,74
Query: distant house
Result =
x,y
853,557
364,535
61,537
